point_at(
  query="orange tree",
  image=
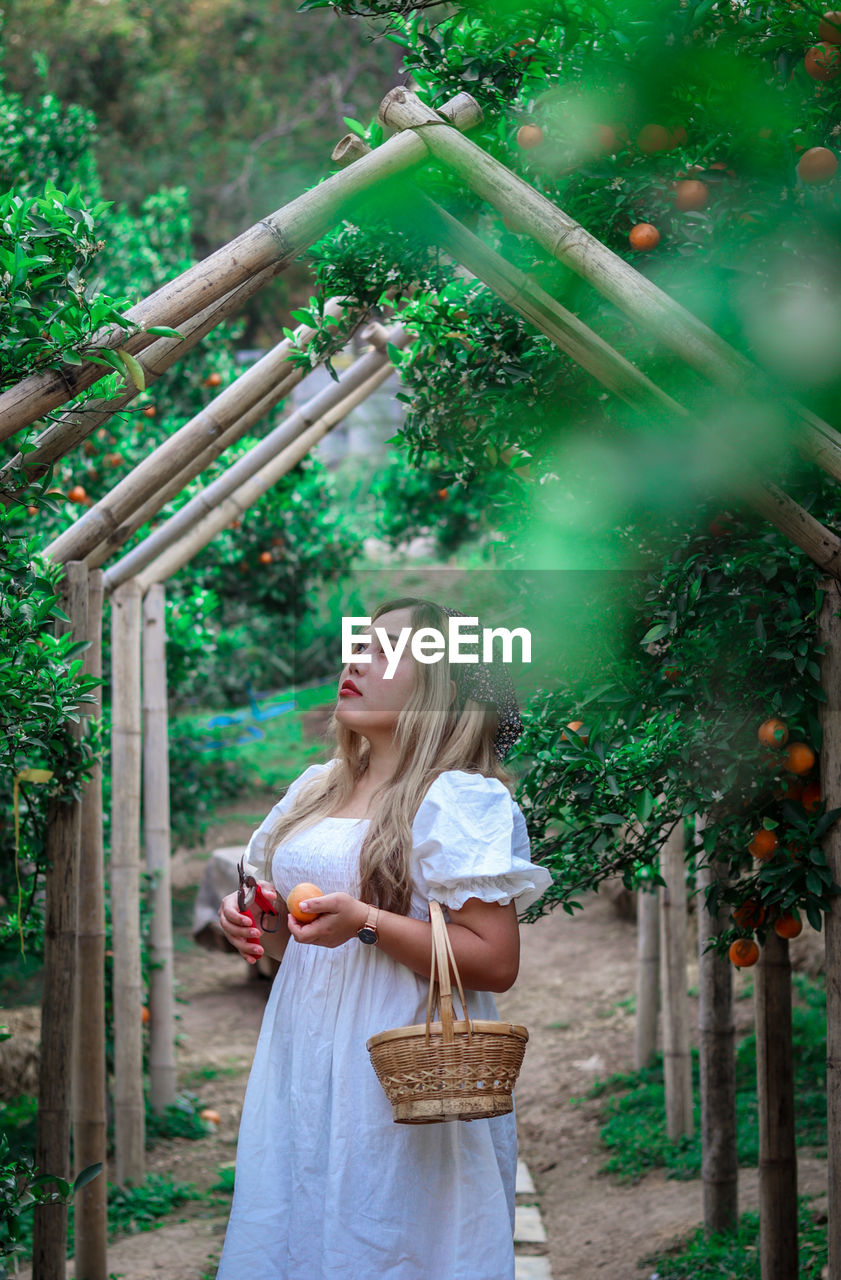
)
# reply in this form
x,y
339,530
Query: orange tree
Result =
x,y
707,129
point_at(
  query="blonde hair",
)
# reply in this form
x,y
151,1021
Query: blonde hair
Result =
x,y
431,735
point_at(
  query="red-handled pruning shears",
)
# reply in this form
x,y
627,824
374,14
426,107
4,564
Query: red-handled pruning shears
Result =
x,y
249,891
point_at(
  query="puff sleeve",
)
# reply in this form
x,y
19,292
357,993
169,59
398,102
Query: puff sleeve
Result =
x,y
470,841
256,850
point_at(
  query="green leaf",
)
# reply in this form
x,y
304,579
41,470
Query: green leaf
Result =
x,y
163,331
644,804
656,632
133,368
355,126
87,1175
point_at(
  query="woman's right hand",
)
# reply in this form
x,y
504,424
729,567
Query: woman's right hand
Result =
x,y
239,929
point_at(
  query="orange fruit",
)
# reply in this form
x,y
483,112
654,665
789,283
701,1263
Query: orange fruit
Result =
x,y
811,796
644,236
788,926
149,411
823,61
144,1013
653,137
211,1116
773,732
799,757
677,137
829,27
77,494
749,914
265,557
300,894
672,674
443,493
529,136
763,844
743,952
32,511
575,725
818,164
691,194
213,379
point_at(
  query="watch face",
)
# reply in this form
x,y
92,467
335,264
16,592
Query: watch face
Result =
x,y
367,935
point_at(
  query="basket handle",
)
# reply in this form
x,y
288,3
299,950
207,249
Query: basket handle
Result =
x,y
440,988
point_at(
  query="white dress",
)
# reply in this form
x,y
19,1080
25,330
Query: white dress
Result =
x,y
327,1186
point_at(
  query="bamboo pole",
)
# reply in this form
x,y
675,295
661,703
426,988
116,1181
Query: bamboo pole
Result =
x,y
181,552
73,427
129,1117
829,636
648,976
152,506
719,1153
639,298
210,497
89,1086
157,843
63,839
274,241
677,1059
179,479
269,379
778,1248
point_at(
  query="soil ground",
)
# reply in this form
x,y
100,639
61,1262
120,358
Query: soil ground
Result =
x,y
576,976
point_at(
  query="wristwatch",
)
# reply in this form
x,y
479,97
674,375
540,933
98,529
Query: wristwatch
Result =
x,y
368,932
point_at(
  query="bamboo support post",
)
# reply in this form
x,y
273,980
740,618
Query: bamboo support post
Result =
x,y
778,1247
157,844
273,242
73,427
677,1059
181,552
129,1117
268,380
90,1214
648,977
829,635
719,1153
240,471
565,239
63,840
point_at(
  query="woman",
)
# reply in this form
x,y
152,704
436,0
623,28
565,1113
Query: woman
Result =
x,y
414,805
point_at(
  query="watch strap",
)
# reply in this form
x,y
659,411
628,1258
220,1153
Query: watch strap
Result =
x,y
369,927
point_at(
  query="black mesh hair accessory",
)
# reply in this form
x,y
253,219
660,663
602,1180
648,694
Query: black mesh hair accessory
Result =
x,y
489,682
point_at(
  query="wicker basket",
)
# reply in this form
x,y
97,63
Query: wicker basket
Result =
x,y
448,1070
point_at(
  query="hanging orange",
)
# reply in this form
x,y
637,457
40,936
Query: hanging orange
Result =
x,y
763,844
818,164
799,757
644,236
773,732
743,952
788,926
811,797
749,914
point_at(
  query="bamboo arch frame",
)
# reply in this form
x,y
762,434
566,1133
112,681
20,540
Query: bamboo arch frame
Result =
x,y
196,301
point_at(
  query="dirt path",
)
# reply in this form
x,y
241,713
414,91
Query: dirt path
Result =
x,y
575,973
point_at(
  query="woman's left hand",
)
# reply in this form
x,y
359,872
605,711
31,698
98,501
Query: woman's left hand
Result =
x,y
340,917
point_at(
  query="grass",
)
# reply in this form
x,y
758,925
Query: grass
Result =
x,y
735,1255
633,1112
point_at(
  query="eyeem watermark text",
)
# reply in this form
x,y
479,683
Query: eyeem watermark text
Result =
x,y
428,644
